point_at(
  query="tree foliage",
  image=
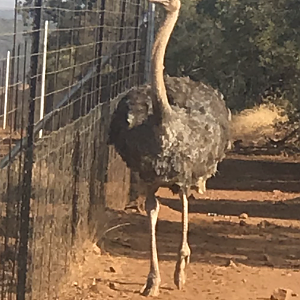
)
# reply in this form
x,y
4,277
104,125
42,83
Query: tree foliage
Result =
x,y
243,47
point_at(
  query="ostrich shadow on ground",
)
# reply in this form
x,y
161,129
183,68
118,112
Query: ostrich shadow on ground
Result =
x,y
284,210
211,241
240,174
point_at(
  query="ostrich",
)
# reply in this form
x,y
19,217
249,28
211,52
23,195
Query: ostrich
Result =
x,y
172,133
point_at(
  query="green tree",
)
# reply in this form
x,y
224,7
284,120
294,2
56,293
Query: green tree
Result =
x,y
243,48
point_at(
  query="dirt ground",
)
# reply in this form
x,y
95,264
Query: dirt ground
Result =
x,y
232,258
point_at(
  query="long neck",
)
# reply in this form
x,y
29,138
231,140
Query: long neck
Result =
x,y
159,98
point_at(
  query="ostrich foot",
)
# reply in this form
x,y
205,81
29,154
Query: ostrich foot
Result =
x,y
182,262
151,288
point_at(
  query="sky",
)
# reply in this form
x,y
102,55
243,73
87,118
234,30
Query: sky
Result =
x,y
7,4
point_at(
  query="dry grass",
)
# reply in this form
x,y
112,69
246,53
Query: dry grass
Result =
x,y
257,122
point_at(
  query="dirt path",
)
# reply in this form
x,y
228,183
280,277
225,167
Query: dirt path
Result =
x,y
264,248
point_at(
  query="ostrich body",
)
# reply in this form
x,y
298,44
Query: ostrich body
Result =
x,y
173,134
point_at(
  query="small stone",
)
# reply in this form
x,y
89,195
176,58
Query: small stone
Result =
x,y
263,224
85,286
113,286
243,216
267,257
268,260
75,283
94,287
230,263
244,280
191,197
212,214
243,223
112,269
277,192
96,249
281,294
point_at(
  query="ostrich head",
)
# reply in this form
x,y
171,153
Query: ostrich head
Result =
x,y
169,5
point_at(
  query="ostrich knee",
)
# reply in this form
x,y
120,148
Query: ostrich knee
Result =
x,y
151,288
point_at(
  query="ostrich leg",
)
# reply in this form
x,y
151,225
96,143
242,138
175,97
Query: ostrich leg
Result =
x,y
184,250
151,288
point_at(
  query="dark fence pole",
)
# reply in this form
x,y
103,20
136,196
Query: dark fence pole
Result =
x,y
13,62
120,59
102,158
28,158
76,166
2,83
94,172
99,50
135,46
17,90
150,38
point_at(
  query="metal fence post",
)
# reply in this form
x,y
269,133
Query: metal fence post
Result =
x,y
28,158
99,50
93,201
135,46
120,59
76,167
150,39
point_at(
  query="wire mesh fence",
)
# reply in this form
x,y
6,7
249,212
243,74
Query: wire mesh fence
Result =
x,y
67,66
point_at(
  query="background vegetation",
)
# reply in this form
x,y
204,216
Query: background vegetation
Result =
x,y
249,49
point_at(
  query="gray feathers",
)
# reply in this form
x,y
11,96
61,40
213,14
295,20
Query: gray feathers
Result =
x,y
183,149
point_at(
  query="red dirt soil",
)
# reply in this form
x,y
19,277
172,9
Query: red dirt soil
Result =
x,y
232,258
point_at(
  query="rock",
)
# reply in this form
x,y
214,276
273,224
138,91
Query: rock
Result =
x,y
264,224
276,192
113,286
94,287
191,197
267,257
212,214
281,294
268,260
96,249
243,223
243,216
231,264
112,269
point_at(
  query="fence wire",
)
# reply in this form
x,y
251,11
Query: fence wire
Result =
x,y
64,67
